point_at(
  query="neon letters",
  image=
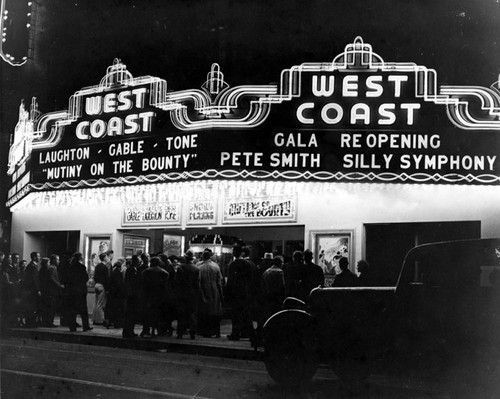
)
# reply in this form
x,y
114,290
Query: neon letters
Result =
x,y
366,112
123,101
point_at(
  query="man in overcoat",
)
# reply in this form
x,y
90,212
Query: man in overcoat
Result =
x,y
211,299
31,293
187,282
76,289
239,284
51,289
154,285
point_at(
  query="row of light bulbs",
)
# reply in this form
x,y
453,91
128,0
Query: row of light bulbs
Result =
x,y
193,190
7,57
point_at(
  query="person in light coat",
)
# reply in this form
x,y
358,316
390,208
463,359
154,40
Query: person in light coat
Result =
x,y
211,298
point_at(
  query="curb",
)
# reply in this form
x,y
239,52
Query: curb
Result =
x,y
186,346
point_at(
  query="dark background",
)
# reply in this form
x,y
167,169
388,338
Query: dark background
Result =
x,y
73,42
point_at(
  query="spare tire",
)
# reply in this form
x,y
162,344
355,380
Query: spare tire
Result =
x,y
290,348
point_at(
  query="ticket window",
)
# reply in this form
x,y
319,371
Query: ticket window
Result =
x,y
135,245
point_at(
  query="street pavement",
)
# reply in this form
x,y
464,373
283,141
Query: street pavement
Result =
x,y
43,369
45,344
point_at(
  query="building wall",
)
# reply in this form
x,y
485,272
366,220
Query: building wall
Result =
x,y
320,207
349,206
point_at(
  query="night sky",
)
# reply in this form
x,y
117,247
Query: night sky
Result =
x,y
253,41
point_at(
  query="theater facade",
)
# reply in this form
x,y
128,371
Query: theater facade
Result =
x,y
358,157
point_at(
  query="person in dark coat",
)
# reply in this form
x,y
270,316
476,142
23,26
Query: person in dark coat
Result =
x,y
273,288
76,289
16,260
133,286
144,265
187,281
238,289
51,289
11,273
11,269
254,285
292,273
311,276
62,270
115,304
266,263
154,285
101,279
365,277
345,278
6,292
30,290
172,313
169,304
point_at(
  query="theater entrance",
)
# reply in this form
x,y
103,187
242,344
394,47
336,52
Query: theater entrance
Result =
x,y
279,240
63,243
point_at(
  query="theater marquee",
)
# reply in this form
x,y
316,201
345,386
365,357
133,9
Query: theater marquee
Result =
x,y
355,119
268,209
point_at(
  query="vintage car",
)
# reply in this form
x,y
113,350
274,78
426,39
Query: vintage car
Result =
x,y
442,319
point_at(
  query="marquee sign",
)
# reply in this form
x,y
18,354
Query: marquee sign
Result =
x,y
168,213
265,209
202,212
355,119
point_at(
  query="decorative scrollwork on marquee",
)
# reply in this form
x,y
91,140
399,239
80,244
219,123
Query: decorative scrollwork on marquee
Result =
x,y
384,177
218,106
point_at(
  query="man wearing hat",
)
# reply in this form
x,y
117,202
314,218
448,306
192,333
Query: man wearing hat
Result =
x,y
187,282
267,262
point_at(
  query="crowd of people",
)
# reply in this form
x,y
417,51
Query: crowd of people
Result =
x,y
153,292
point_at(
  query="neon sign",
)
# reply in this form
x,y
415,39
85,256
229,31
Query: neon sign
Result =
x,y
116,126
15,24
360,113
355,119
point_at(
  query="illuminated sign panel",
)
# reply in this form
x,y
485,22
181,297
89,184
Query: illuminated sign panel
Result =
x,y
202,212
268,209
356,119
152,214
356,100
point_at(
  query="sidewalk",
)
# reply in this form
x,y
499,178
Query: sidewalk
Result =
x,y
101,336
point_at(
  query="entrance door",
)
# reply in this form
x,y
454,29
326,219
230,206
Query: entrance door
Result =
x,y
387,244
53,242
